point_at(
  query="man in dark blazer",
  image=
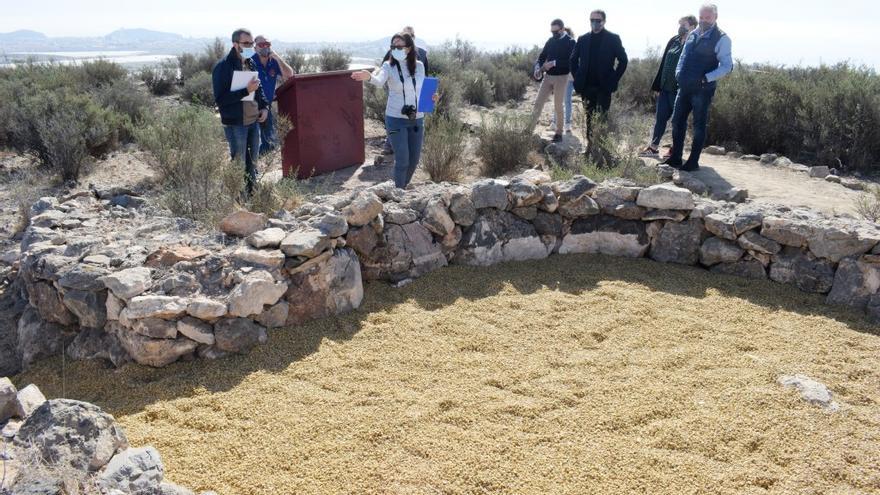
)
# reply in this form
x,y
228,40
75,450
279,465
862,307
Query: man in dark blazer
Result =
x,y
597,62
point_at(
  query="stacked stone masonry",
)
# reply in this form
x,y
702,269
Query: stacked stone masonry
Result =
x,y
128,284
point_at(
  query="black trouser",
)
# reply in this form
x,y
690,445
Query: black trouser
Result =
x,y
595,101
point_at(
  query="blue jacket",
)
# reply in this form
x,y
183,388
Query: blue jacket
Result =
x,y
229,102
558,49
610,51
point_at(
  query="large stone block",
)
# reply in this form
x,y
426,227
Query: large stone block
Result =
x,y
800,268
666,197
606,235
678,242
855,282
331,288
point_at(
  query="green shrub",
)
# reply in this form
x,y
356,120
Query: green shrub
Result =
x,y
509,84
299,61
125,98
443,153
518,59
451,95
100,73
62,129
161,79
374,102
477,88
505,143
68,113
330,59
191,65
199,90
634,91
193,159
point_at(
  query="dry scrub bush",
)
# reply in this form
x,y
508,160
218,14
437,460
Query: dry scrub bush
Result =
x,y
68,113
614,152
192,158
868,204
161,79
504,144
199,89
443,153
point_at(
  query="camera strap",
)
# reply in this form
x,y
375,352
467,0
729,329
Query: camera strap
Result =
x,y
403,83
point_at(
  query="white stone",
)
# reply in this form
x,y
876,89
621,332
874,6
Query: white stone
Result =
x,y
811,391
255,291
268,238
206,309
129,283
28,400
666,197
167,307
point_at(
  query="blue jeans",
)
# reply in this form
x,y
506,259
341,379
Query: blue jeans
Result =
x,y
569,92
244,146
268,142
406,139
695,101
665,105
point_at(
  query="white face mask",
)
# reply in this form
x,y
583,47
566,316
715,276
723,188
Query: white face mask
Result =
x,y
247,52
399,54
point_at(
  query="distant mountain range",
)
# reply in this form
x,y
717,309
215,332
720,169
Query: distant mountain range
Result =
x,y
157,42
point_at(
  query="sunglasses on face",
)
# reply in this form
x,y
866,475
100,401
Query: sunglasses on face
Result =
x,y
402,47
246,43
264,44
596,21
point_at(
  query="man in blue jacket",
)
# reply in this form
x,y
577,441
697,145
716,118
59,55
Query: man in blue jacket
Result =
x,y
554,61
270,67
241,119
597,62
706,58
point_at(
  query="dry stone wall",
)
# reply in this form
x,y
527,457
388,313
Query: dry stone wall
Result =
x,y
112,278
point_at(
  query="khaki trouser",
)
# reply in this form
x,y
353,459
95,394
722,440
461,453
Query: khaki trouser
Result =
x,y
557,85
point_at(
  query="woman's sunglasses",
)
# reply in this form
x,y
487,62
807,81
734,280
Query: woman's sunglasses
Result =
x,y
264,44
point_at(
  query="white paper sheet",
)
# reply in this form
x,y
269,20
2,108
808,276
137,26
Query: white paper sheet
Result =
x,y
240,80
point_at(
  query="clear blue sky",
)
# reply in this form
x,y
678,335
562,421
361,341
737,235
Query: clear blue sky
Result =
x,y
783,31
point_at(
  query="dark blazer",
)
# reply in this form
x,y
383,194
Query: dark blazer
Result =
x,y
655,86
229,102
610,52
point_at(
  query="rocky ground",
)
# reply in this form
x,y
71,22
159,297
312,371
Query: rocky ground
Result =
x,y
65,446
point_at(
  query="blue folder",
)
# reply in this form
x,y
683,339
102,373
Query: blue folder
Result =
x,y
426,99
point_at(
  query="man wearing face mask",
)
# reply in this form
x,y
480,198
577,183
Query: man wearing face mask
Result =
x,y
554,60
241,119
271,67
664,86
706,58
597,62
